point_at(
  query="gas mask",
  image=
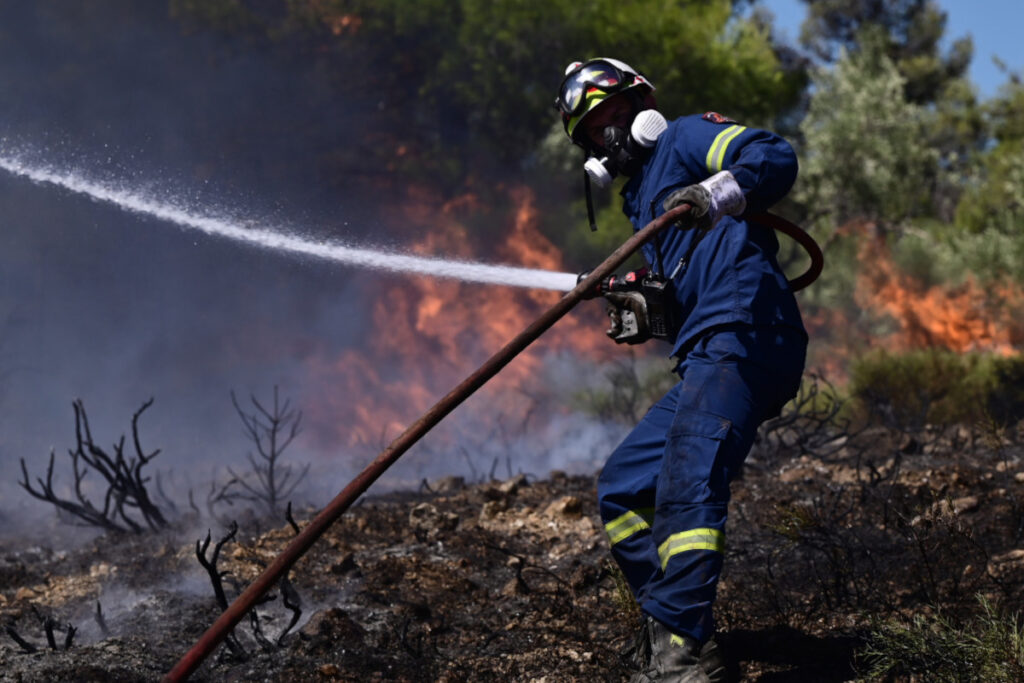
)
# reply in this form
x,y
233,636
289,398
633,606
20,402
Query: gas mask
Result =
x,y
626,151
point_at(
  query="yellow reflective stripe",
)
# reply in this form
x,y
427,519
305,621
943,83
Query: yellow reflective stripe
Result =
x,y
593,97
625,525
716,155
694,539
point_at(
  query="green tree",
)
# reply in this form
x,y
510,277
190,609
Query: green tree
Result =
x,y
864,161
865,155
910,34
994,199
982,237
474,80
912,30
465,88
982,234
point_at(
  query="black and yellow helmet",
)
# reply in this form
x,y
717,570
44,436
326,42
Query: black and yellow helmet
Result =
x,y
587,84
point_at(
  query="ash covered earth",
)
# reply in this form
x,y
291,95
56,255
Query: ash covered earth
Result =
x,y
511,580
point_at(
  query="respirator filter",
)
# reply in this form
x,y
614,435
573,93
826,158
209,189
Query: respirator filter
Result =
x,y
647,127
598,171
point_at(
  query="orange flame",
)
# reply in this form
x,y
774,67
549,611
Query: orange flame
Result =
x,y
962,318
426,334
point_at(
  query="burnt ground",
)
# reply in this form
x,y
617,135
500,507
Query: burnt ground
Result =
x,y
510,580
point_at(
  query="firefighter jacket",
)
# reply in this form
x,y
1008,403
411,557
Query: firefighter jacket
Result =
x,y
729,274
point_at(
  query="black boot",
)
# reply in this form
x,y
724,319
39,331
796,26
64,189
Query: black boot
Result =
x,y
679,659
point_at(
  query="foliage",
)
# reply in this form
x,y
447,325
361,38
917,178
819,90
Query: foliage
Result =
x,y
989,647
937,253
864,155
911,32
865,162
978,229
908,390
474,80
994,199
958,130
589,248
976,224
997,202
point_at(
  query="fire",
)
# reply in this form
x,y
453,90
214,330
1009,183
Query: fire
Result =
x,y
426,334
962,318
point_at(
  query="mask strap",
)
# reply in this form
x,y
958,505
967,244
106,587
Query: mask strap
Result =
x,y
590,201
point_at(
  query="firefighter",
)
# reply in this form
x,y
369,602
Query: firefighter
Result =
x,y
739,348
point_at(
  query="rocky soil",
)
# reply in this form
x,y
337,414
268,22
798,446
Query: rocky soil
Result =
x,y
510,580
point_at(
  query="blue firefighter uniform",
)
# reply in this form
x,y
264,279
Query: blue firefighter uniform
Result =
x,y
663,492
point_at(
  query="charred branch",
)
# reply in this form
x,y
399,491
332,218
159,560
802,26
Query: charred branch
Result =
x,y
470,462
291,520
100,621
812,422
290,596
48,625
217,580
271,430
22,643
83,510
292,601
210,565
257,632
127,505
220,495
522,564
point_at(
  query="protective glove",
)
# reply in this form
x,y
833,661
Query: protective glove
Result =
x,y
720,195
699,198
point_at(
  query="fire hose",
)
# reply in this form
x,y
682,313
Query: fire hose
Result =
x,y
798,235
299,545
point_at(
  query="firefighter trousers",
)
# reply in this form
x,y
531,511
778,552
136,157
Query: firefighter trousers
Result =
x,y
664,491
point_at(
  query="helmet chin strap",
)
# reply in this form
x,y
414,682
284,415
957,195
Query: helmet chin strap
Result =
x,y
590,201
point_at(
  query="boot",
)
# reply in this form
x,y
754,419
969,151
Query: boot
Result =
x,y
679,659
713,663
639,652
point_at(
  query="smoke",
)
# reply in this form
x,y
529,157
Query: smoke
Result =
x,y
114,308
109,307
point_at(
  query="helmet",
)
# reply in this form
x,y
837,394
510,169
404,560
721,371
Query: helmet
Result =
x,y
587,84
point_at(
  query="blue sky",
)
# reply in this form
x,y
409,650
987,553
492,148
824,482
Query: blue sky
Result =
x,y
995,25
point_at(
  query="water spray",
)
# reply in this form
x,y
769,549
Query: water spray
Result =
x,y
299,545
285,241
271,239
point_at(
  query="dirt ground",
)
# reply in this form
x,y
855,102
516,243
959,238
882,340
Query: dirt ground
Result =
x,y
511,581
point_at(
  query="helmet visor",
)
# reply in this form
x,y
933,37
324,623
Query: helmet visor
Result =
x,y
596,77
